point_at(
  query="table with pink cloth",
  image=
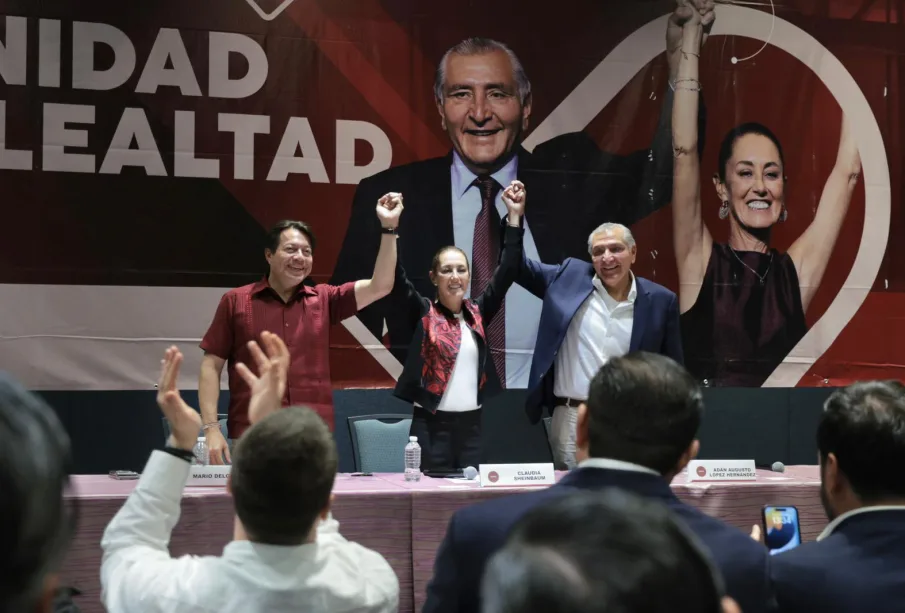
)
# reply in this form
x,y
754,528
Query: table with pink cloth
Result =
x,y
404,521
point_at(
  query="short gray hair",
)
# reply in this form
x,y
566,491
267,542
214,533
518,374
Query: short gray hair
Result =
x,y
481,46
609,227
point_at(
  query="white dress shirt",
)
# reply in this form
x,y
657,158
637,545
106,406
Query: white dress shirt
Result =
x,y
138,574
601,329
522,308
835,523
461,392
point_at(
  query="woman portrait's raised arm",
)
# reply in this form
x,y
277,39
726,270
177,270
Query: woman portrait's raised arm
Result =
x,y
812,250
691,237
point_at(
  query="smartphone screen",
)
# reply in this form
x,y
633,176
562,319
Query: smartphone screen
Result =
x,y
781,528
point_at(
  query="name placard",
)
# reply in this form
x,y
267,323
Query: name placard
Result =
x,y
209,475
721,470
509,475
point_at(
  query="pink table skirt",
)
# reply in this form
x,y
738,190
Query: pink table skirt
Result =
x,y
403,521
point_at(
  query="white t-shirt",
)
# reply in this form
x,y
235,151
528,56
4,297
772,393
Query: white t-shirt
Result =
x,y
461,392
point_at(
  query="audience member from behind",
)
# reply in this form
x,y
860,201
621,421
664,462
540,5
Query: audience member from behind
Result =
x,y
602,552
858,562
636,432
286,553
35,462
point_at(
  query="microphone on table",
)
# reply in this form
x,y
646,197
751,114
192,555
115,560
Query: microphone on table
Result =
x,y
470,473
777,467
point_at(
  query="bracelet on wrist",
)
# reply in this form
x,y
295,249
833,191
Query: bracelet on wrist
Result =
x,y
182,454
211,425
388,230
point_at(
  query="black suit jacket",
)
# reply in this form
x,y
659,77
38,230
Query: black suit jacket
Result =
x,y
572,187
859,568
476,532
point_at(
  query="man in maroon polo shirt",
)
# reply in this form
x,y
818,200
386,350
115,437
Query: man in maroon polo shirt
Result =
x,y
300,314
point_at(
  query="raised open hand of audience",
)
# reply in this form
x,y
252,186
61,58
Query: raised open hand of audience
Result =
x,y
269,386
185,422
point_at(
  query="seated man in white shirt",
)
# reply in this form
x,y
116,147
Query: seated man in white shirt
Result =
x,y
286,554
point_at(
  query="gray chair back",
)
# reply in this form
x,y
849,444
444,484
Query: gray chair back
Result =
x,y
378,442
223,430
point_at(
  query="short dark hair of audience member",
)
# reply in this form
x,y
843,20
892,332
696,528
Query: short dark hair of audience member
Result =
x,y
861,442
643,408
282,476
37,522
602,551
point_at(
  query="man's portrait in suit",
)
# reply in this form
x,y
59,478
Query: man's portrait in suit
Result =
x,y
484,101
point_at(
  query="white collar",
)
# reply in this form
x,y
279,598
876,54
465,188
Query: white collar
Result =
x,y
835,523
462,178
632,292
611,464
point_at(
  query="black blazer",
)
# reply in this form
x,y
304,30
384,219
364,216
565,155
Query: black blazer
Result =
x,y
859,568
476,532
572,187
408,300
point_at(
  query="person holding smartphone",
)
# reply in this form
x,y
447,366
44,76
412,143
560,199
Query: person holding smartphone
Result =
x,y
450,370
857,564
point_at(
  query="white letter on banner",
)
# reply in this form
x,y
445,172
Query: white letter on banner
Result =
x,y
85,36
168,45
298,134
11,159
133,125
14,53
222,44
185,164
244,127
347,132
49,38
57,137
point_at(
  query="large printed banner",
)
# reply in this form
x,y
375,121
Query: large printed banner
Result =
x,y
146,147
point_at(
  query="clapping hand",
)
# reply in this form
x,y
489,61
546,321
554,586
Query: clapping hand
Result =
x,y
514,198
269,386
185,422
389,208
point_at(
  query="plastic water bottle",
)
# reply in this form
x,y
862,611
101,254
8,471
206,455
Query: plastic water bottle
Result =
x,y
202,453
413,460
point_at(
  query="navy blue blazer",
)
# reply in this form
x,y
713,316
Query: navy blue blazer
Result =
x,y
860,567
476,532
564,288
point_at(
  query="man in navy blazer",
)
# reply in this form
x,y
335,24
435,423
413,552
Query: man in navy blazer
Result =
x,y
858,562
591,312
636,433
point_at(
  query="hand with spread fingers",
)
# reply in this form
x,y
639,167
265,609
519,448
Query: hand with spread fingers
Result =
x,y
185,422
269,386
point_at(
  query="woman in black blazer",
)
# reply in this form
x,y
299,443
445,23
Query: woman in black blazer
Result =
x,y
447,372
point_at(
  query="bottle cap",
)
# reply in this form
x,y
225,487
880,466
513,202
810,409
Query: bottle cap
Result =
x,y
413,439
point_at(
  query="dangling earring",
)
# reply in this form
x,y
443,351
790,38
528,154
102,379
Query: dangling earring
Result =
x,y
724,209
784,215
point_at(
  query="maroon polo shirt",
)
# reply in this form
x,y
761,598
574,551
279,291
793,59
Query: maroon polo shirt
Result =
x,y
304,325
